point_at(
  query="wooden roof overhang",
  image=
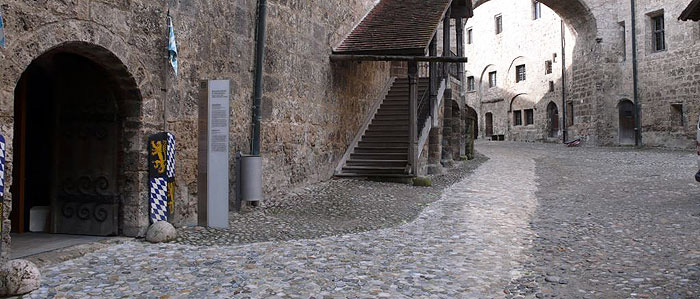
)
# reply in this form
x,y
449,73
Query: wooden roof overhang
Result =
x,y
399,28
692,12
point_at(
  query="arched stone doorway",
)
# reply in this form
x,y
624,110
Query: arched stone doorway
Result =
x,y
488,130
626,122
553,120
72,104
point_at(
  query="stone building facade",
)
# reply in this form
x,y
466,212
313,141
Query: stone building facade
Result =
x,y
311,107
599,82
527,69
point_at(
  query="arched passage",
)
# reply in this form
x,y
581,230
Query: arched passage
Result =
x,y
626,122
72,104
553,120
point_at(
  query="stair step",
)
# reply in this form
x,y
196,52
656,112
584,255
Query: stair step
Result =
x,y
386,175
392,117
389,122
373,150
381,128
388,133
377,163
380,156
372,170
373,143
385,138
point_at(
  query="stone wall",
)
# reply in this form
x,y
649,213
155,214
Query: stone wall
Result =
x,y
599,67
311,109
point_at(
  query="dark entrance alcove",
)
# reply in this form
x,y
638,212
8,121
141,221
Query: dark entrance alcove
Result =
x,y
68,142
626,115
489,125
553,119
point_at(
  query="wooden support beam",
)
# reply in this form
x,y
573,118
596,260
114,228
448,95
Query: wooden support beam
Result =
x,y
413,116
352,57
446,41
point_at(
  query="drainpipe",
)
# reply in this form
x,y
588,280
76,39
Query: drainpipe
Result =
x,y
259,60
249,167
565,129
635,79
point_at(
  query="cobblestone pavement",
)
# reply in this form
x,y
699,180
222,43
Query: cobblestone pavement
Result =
x,y
533,221
335,207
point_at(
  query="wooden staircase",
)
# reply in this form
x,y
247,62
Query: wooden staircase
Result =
x,y
383,148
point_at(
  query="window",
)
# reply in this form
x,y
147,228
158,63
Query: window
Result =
x,y
470,37
658,33
677,115
529,117
547,67
551,86
518,118
554,57
492,79
499,24
520,73
569,114
470,83
623,39
536,10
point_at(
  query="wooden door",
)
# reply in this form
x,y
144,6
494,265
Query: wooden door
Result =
x,y
489,124
626,131
85,195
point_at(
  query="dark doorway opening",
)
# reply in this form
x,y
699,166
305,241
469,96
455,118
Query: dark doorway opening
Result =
x,y
626,130
489,125
553,119
66,141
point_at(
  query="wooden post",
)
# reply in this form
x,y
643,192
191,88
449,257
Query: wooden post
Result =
x,y
460,52
433,78
446,41
413,116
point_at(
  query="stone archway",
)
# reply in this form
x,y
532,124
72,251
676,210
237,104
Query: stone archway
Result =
x,y
73,104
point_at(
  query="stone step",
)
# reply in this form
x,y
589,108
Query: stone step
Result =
x,y
380,156
389,122
402,133
374,170
377,163
374,143
385,138
372,150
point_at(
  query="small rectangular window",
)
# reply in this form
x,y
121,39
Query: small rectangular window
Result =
x,y
677,119
520,73
658,33
518,118
547,67
536,10
554,57
492,79
551,86
529,117
470,37
499,24
471,83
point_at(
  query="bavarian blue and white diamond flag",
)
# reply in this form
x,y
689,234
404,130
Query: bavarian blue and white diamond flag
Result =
x,y
2,32
172,46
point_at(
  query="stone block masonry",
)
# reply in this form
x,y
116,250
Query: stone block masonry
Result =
x,y
312,108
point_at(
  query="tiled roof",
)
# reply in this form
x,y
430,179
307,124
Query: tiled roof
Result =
x,y
692,12
396,27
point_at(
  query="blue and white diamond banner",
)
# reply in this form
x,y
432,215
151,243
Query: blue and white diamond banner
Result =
x,y
2,31
172,45
2,167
